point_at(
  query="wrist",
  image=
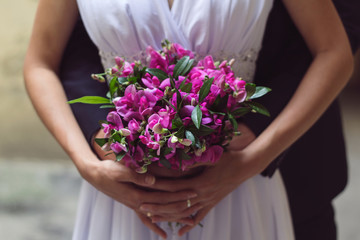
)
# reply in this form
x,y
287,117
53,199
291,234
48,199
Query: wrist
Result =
x,y
86,163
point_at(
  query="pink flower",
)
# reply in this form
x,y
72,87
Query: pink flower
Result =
x,y
118,147
180,51
157,60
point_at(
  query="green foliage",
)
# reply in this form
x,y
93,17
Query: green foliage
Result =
x,y
204,90
160,74
260,91
91,100
183,66
196,116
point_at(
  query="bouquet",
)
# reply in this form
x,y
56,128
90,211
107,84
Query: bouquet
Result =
x,y
175,112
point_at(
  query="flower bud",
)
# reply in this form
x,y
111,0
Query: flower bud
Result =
x,y
185,142
125,132
174,139
119,61
98,77
157,128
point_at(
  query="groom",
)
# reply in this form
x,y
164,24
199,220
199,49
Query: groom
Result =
x,y
314,168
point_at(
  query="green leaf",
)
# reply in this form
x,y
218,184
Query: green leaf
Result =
x,y
180,133
187,68
160,74
220,103
189,135
165,162
107,106
205,130
178,99
166,151
196,116
172,83
132,80
170,104
177,122
90,100
182,66
183,155
250,90
240,112
101,141
233,121
120,156
218,113
260,91
113,87
204,90
257,107
122,80
186,88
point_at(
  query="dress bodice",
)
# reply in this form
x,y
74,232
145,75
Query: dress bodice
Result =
x,y
223,28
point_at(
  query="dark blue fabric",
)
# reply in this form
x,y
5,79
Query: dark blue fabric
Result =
x,y
79,61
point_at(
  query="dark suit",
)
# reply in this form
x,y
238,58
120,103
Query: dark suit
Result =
x,y
314,168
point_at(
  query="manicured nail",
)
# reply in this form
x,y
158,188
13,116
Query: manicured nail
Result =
x,y
149,179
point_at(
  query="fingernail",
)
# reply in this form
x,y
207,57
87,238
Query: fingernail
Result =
x,y
149,179
144,208
192,195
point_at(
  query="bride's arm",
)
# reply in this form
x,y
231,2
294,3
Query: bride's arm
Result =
x,y
330,70
53,25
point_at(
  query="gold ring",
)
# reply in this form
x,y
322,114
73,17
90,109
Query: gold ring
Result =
x,y
188,203
148,214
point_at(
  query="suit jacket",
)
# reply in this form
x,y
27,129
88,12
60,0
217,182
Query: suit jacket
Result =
x,y
314,168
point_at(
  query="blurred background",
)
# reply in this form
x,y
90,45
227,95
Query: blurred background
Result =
x,y
39,185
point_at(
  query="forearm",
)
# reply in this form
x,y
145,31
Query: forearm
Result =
x,y
49,100
323,81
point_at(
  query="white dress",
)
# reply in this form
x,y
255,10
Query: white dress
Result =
x,y
256,210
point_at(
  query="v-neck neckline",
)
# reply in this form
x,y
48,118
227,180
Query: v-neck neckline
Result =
x,y
170,5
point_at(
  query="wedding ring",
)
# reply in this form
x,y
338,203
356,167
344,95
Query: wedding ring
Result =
x,y
188,203
148,214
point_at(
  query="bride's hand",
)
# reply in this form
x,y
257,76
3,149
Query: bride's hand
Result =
x,y
212,185
122,184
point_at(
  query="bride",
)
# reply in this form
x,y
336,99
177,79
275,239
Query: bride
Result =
x,y
242,205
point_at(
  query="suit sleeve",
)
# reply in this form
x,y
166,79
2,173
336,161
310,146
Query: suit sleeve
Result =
x,y
79,61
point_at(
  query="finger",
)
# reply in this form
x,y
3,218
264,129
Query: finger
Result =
x,y
197,219
185,221
152,226
125,174
168,197
201,164
185,208
174,185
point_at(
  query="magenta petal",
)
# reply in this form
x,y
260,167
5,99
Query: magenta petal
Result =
x,y
206,120
165,83
114,117
132,115
186,111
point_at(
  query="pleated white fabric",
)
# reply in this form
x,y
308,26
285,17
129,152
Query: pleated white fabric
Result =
x,y
256,210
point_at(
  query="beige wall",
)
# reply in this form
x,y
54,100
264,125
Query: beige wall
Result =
x,y
21,132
